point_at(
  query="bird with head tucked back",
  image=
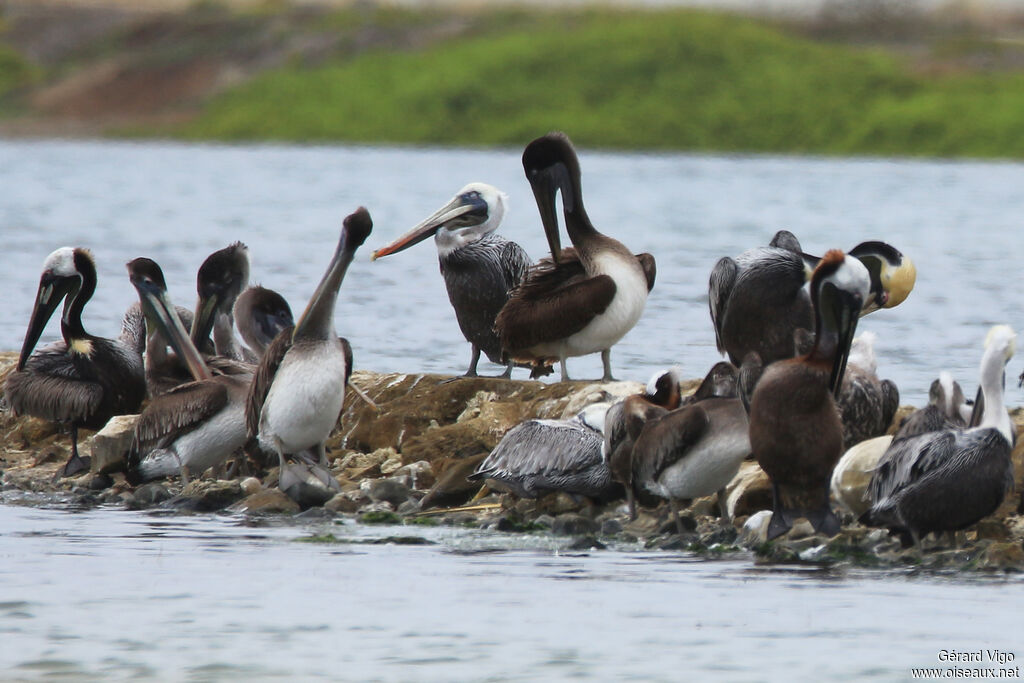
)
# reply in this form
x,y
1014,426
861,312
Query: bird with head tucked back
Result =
x,y
758,300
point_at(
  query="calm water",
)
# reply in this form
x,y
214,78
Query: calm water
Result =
x,y
108,594
960,222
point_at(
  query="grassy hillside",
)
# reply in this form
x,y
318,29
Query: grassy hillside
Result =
x,y
15,71
668,79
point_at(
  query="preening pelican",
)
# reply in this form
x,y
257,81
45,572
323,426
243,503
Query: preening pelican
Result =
x,y
758,300
581,300
795,430
83,380
479,266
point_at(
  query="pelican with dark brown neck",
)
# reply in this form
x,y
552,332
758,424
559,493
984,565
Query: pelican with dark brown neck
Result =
x,y
581,300
796,432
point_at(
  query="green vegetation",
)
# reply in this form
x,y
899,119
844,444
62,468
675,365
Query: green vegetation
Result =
x,y
380,517
321,538
665,79
421,521
15,71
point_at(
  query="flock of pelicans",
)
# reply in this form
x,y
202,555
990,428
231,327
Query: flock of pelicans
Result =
x,y
798,391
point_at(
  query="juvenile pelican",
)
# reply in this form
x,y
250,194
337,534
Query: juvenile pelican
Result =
x,y
260,315
195,425
541,456
947,408
795,430
949,479
853,472
693,451
297,394
83,380
867,404
222,275
625,420
758,300
581,300
221,278
479,266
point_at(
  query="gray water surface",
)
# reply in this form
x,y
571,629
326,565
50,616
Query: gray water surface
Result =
x,y
959,221
115,595
107,594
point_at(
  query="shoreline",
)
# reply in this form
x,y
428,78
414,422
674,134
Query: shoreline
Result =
x,y
427,428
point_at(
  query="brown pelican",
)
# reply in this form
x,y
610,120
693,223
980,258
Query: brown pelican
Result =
x,y
795,430
297,393
260,315
695,450
722,381
83,380
220,279
581,300
541,456
624,421
949,479
867,404
133,325
853,472
947,408
758,300
479,266
195,425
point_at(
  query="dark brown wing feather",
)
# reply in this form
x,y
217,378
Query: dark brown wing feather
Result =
x,y
650,270
263,378
554,302
664,441
177,412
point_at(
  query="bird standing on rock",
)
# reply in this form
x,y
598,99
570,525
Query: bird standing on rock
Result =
x,y
758,300
479,266
297,393
947,480
796,433
580,300
83,380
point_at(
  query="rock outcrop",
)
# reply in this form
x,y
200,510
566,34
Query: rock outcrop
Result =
x,y
409,461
